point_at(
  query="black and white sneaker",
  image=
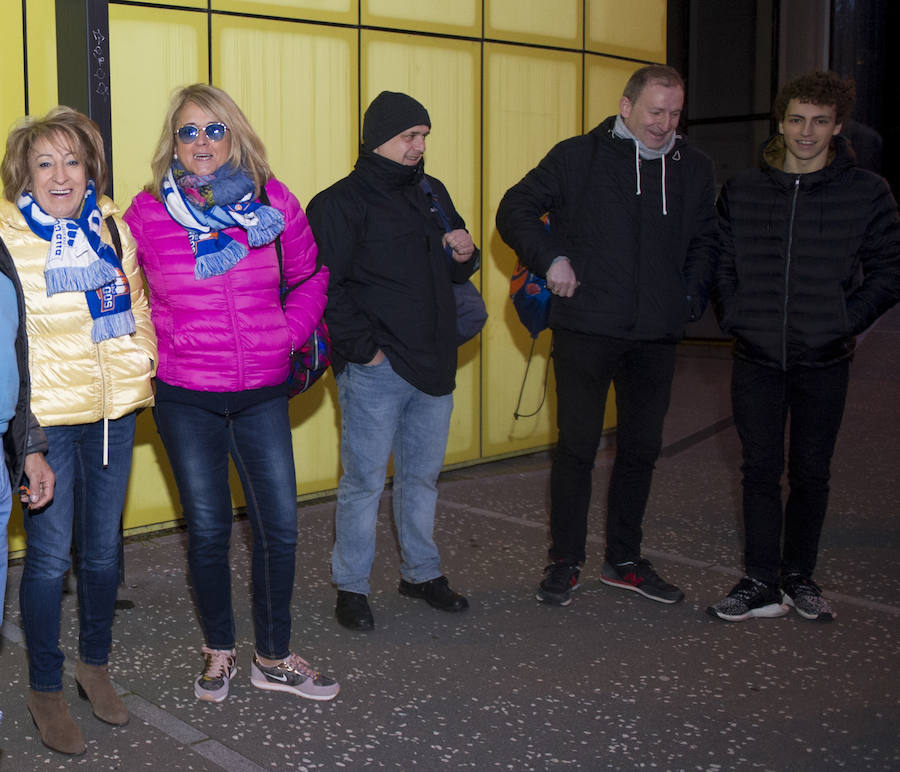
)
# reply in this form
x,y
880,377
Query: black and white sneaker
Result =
x,y
804,595
560,578
639,576
749,599
293,675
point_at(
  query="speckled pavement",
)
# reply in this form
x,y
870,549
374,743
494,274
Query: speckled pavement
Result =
x,y
613,681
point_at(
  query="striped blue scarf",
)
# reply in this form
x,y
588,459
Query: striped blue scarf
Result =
x,y
206,206
79,261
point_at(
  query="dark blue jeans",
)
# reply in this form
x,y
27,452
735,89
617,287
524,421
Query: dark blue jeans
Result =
x,y
585,366
762,400
87,503
258,439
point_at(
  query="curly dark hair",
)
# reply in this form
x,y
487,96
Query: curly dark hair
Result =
x,y
818,88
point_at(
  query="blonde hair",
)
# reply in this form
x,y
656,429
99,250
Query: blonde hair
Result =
x,y
247,149
62,126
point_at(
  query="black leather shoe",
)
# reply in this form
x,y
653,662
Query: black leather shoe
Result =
x,y
353,612
436,592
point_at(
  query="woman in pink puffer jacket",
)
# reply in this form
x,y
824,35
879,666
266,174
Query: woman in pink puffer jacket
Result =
x,y
207,228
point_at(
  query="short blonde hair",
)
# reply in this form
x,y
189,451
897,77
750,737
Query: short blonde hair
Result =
x,y
247,149
62,126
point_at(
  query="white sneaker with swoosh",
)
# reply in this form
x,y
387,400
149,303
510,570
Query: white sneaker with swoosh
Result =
x,y
293,675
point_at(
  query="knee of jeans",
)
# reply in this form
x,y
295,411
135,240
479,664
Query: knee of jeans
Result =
x,y
577,459
762,474
40,564
99,561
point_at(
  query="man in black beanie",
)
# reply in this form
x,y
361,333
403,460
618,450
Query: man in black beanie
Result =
x,y
394,245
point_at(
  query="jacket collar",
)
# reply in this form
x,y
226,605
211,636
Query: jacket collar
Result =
x,y
382,172
840,161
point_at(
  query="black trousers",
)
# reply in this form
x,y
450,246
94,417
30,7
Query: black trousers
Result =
x,y
762,399
585,366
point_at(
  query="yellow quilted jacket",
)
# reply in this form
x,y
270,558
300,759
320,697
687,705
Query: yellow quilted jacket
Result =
x,y
73,379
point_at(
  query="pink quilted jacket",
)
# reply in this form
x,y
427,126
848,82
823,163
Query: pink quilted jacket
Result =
x,y
228,332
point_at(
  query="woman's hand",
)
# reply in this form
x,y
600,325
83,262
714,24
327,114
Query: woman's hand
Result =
x,y
41,481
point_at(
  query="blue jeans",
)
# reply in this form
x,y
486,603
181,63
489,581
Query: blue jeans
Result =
x,y
5,510
87,503
258,439
642,372
382,413
762,399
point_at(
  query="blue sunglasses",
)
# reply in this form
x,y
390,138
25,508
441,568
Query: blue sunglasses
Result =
x,y
214,132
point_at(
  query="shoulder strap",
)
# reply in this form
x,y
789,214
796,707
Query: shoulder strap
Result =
x,y
284,289
114,235
264,197
426,188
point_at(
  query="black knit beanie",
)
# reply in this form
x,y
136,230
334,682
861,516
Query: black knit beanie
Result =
x,y
391,113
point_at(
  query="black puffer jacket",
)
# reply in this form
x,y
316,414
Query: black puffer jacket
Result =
x,y
808,261
643,251
390,284
23,435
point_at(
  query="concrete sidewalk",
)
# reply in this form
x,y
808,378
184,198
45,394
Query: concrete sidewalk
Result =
x,y
612,681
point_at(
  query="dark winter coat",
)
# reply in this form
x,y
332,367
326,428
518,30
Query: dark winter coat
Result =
x,y
641,235
23,435
391,280
808,260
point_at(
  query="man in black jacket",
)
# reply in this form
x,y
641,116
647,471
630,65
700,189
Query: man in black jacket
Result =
x,y
629,256
810,259
392,317
24,443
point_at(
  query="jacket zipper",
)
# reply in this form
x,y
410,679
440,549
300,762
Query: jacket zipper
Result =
x,y
787,273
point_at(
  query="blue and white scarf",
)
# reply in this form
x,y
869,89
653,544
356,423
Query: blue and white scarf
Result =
x,y
79,261
196,203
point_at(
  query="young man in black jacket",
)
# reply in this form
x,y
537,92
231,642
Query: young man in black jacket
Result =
x,y
629,256
24,443
810,259
392,317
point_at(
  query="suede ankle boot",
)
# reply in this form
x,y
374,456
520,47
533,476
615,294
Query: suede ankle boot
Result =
x,y
57,728
94,685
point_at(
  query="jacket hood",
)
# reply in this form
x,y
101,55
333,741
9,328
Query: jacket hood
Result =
x,y
606,131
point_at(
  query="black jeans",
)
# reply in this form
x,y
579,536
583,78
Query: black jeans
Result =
x,y
762,399
641,372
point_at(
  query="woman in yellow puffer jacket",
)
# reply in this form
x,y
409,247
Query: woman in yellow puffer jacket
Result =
x,y
92,351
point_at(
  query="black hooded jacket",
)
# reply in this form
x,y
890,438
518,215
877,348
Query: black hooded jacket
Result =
x,y
808,261
23,435
391,281
641,234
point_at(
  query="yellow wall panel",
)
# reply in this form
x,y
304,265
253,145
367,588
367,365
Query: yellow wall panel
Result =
x,y
306,116
303,87
605,80
344,11
41,41
444,76
532,101
557,23
12,68
460,17
151,53
636,29
297,86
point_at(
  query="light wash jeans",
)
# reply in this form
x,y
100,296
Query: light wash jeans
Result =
x,y
382,413
5,509
87,503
